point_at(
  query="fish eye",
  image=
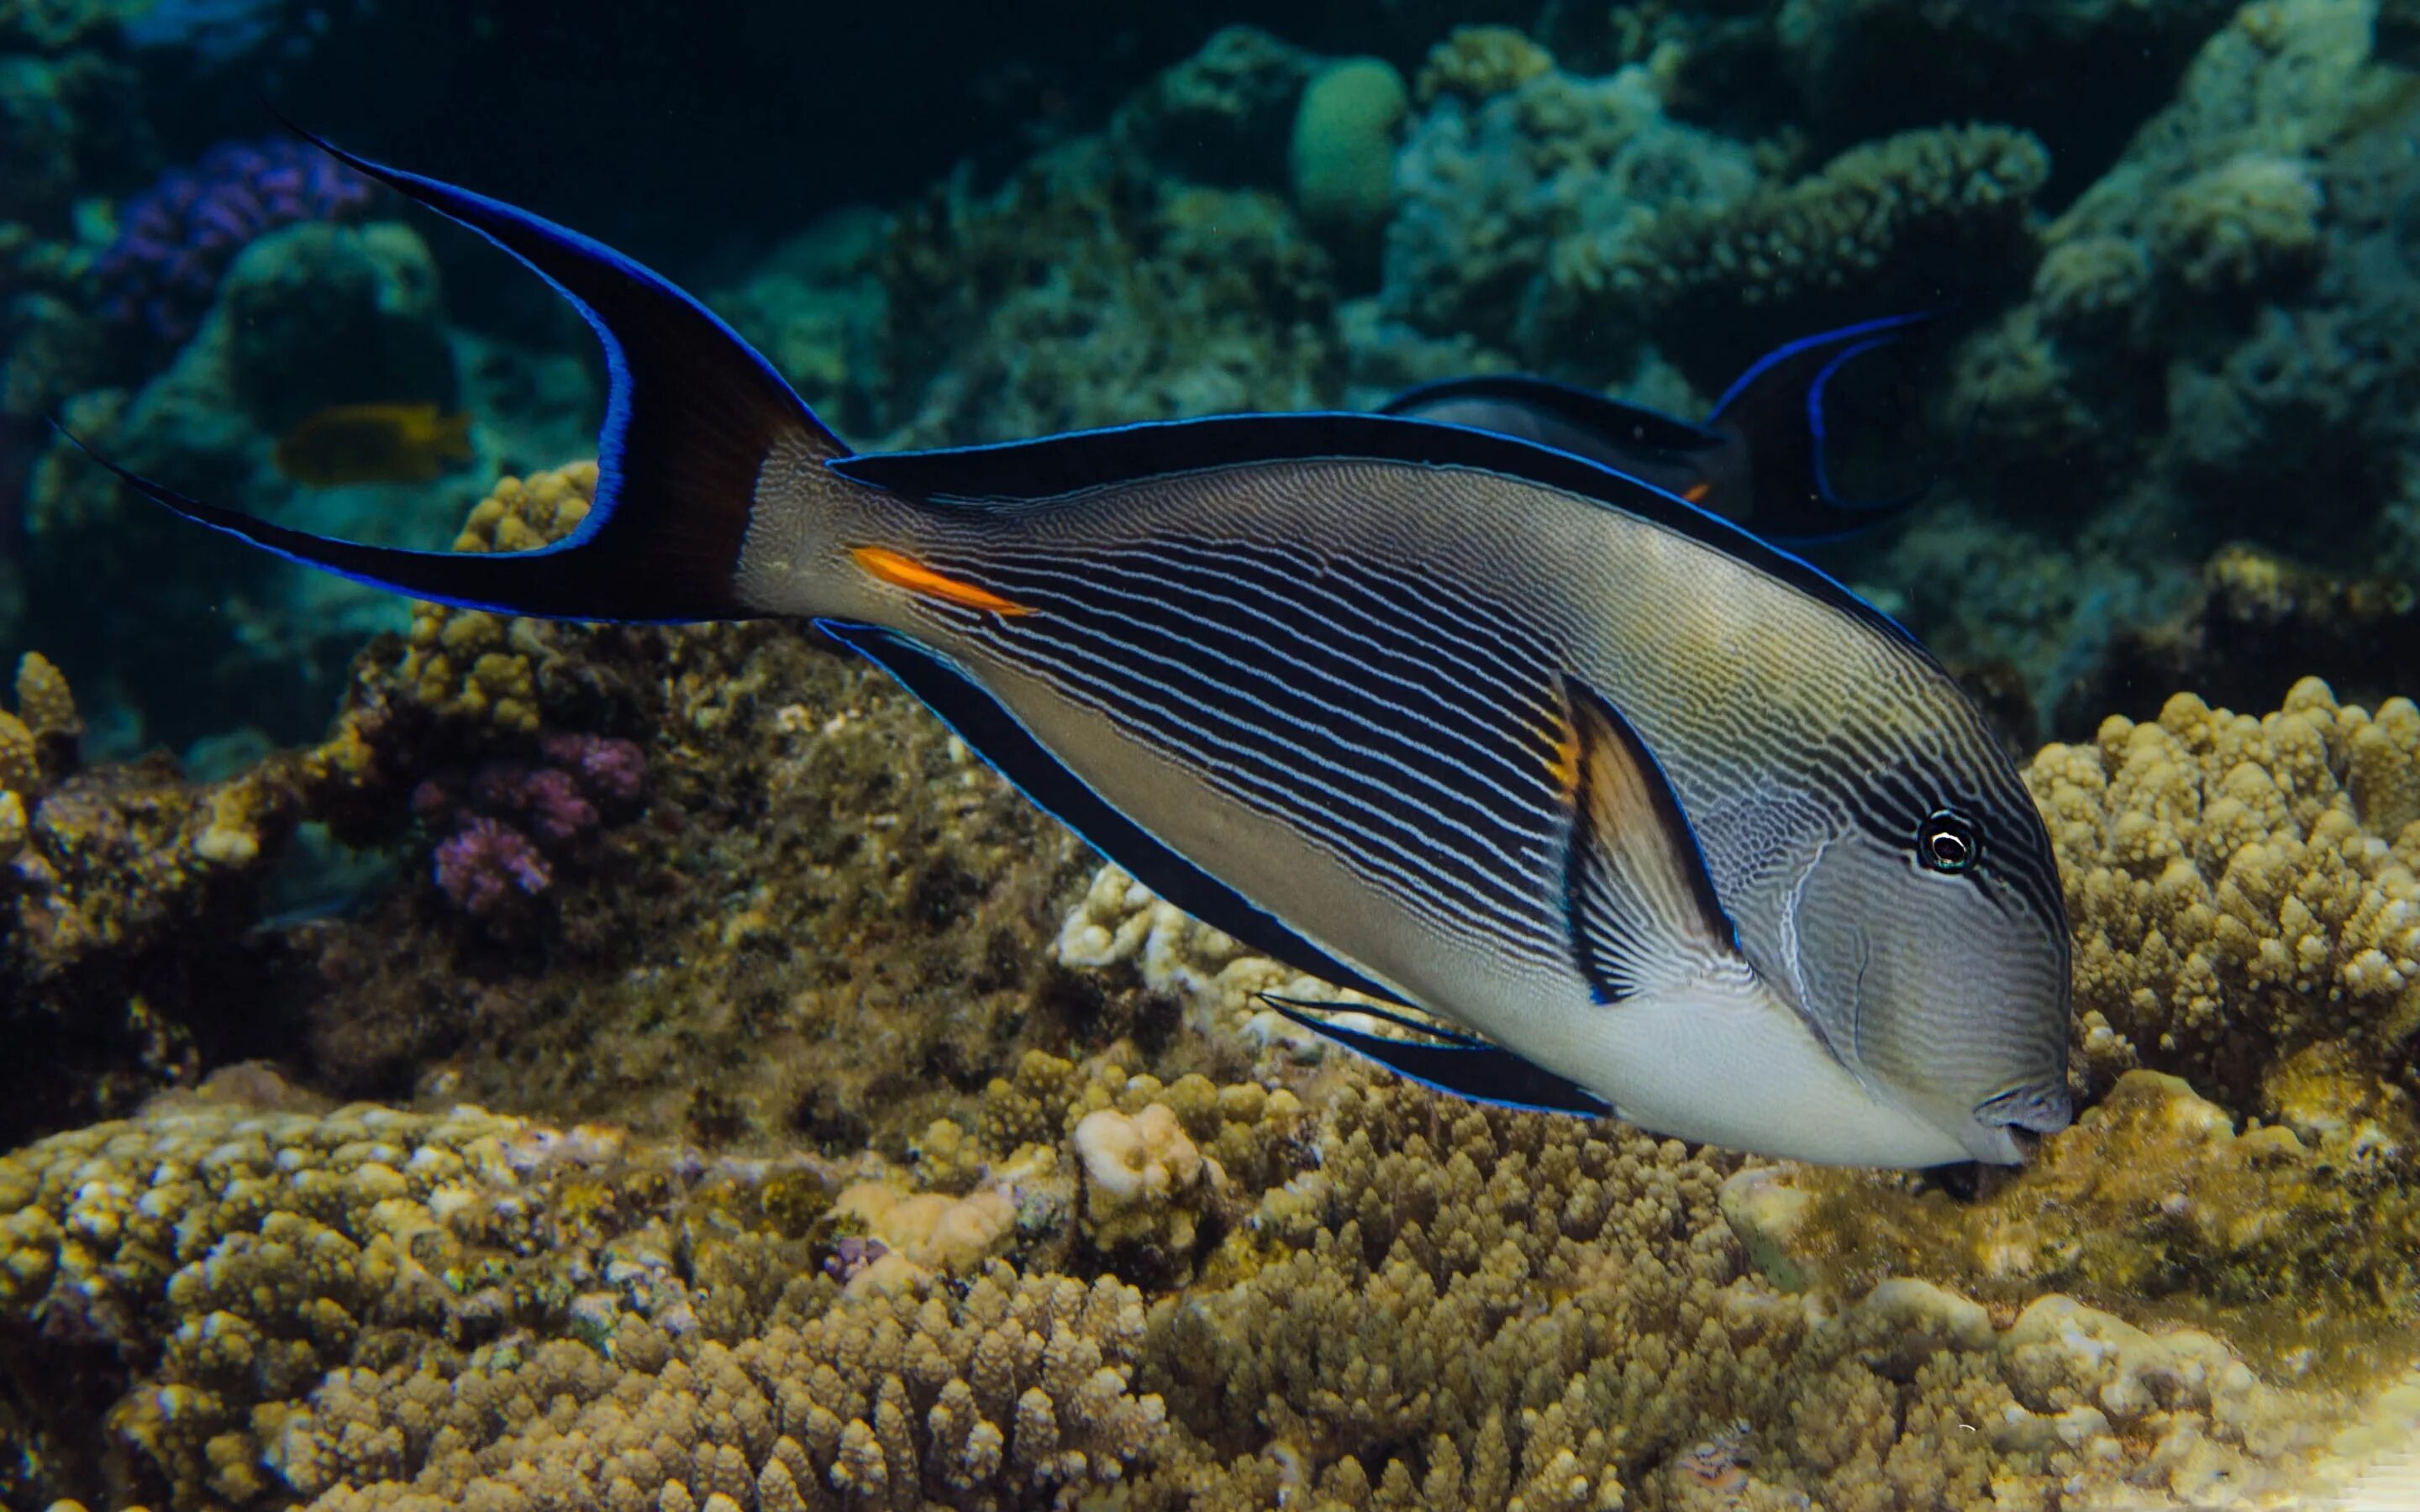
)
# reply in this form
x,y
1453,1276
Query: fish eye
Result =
x,y
1947,842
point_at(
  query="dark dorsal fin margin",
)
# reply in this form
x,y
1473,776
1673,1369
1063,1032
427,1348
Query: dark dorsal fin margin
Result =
x,y
1054,467
1459,1066
1626,425
995,734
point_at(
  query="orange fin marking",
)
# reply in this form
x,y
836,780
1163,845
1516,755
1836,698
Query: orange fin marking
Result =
x,y
906,572
1563,758
1695,492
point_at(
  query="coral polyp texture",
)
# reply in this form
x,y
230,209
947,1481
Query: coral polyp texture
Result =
x,y
2242,890
1403,1303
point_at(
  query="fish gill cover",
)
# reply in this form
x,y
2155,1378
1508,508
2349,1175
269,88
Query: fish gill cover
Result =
x,y
693,1080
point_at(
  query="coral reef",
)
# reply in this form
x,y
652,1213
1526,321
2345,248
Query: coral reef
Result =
x,y
1941,209
2237,891
307,315
177,238
2244,636
124,892
1495,182
1427,1305
863,1144
2157,1206
2080,73
1091,291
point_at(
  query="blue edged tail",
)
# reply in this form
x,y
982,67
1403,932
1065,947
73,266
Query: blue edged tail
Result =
x,y
1777,409
693,418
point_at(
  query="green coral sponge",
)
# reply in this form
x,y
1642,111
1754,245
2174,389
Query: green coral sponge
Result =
x,y
1343,153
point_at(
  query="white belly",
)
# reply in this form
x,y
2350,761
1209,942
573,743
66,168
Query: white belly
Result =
x,y
1738,1069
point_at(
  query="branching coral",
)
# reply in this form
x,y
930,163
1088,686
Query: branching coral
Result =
x,y
229,1256
1945,207
1007,1393
1481,62
2241,888
1489,183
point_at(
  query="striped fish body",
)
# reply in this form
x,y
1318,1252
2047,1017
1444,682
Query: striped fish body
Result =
x,y
1337,686
1471,725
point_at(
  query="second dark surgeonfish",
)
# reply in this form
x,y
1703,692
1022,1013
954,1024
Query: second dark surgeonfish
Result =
x,y
1675,825
1760,459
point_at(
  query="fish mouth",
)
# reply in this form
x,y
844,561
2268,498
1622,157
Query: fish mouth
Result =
x,y
2028,1111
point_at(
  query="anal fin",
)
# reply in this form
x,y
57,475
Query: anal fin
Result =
x,y
1459,1064
1643,913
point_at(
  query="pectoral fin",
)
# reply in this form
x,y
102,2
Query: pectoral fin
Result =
x,y
1642,909
1459,1064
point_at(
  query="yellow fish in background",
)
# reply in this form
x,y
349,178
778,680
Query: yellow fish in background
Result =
x,y
384,443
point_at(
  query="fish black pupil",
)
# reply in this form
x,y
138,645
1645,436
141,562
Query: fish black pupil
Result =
x,y
1946,841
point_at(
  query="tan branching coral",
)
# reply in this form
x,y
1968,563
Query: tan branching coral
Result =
x,y
2241,889
471,664
1007,1394
296,1297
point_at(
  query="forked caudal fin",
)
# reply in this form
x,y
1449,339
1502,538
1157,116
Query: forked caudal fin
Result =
x,y
1778,408
693,418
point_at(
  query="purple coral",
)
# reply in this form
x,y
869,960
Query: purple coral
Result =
x,y
177,237
486,863
610,768
504,810
549,795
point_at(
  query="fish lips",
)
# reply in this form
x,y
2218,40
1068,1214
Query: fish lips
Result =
x,y
2020,1117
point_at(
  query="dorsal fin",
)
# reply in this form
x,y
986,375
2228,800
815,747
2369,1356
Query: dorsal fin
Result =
x,y
1617,426
1777,409
1054,467
1643,910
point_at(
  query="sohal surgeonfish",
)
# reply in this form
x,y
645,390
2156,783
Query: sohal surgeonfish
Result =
x,y
1760,460
1669,823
